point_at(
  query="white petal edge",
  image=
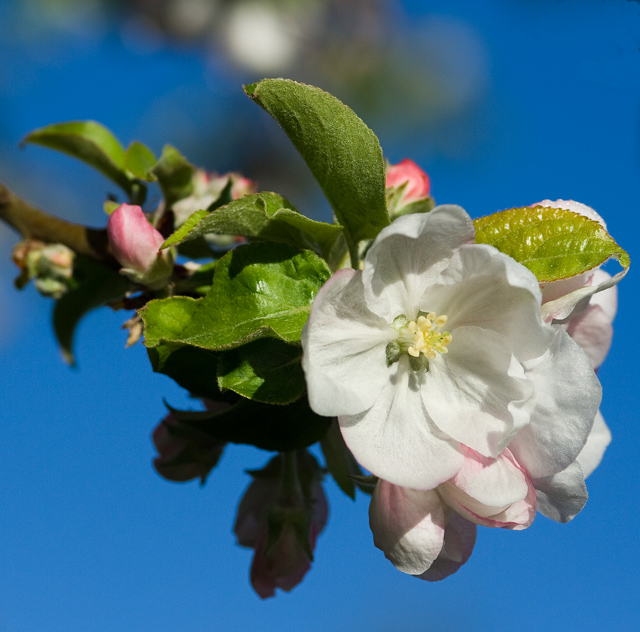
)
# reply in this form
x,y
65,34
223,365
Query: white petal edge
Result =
x,y
344,348
408,255
568,395
594,449
562,496
407,526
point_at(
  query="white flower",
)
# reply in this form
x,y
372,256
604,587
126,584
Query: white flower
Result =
x,y
438,343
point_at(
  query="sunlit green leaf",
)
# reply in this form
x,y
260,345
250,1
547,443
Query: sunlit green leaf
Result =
x,y
90,142
175,175
139,160
553,243
343,154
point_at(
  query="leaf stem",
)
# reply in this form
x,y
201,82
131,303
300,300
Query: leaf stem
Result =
x,y
32,223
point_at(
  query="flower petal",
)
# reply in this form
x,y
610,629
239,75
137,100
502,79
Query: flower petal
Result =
x,y
344,348
492,492
484,288
562,496
408,255
568,395
397,441
407,526
459,538
593,451
477,393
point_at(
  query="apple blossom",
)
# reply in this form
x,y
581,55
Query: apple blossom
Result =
x,y
136,246
409,394
280,516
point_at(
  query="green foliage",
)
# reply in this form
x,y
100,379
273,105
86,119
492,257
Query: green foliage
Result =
x,y
261,289
140,161
95,284
175,175
263,216
339,460
90,142
266,370
343,154
553,243
266,426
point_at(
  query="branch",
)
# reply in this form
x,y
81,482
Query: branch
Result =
x,y
32,223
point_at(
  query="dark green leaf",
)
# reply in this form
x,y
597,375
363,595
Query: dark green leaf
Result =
x,y
96,284
269,427
192,368
343,154
175,175
90,142
339,460
266,370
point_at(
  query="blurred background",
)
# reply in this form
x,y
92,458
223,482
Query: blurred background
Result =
x,y
503,102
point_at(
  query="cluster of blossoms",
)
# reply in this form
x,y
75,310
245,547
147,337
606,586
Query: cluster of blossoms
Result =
x,y
481,423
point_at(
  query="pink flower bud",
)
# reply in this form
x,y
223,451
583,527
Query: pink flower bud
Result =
x,y
280,524
185,452
135,244
408,173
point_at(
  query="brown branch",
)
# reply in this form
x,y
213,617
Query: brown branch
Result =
x,y
32,223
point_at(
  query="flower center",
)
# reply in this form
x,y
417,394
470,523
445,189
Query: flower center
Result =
x,y
424,336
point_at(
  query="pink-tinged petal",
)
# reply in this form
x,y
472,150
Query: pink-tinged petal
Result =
x,y
568,396
459,538
562,496
492,492
592,328
407,257
593,451
482,287
396,440
593,331
407,526
344,348
416,180
560,309
607,299
132,239
477,393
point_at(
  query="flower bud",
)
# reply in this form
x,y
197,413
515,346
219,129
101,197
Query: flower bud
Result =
x,y
135,244
280,516
51,265
185,452
408,189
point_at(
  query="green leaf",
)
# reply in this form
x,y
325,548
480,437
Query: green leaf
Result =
x,y
339,460
553,243
175,175
343,154
258,290
269,427
140,161
266,370
192,368
264,216
96,284
90,142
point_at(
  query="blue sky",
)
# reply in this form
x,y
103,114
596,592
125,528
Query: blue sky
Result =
x,y
91,538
